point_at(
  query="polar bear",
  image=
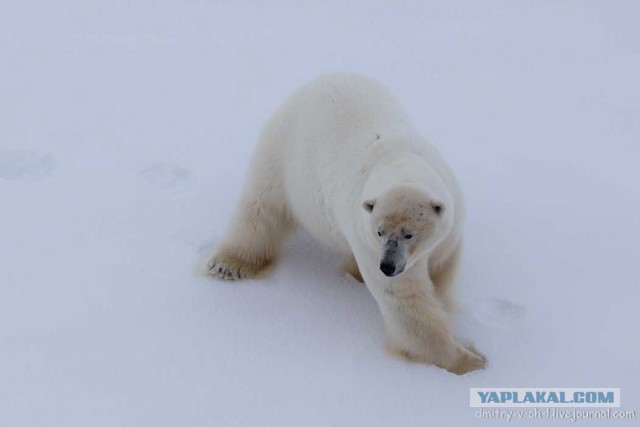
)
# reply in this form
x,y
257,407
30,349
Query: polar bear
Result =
x,y
342,159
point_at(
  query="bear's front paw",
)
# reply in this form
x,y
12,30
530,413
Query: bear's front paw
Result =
x,y
228,267
470,360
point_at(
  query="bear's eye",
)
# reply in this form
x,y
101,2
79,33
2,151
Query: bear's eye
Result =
x,y
380,233
408,236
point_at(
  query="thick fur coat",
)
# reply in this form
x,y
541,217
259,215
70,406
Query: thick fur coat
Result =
x,y
341,159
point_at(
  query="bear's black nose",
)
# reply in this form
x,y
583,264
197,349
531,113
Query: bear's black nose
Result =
x,y
387,268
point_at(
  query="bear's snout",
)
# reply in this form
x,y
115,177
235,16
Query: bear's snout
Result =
x,y
388,268
392,262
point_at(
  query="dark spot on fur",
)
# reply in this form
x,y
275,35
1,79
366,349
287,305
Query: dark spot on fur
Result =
x,y
368,205
377,136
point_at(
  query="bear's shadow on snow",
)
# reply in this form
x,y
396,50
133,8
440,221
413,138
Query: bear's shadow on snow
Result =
x,y
303,261
309,260
312,275
306,266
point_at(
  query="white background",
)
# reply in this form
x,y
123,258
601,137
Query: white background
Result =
x,y
125,131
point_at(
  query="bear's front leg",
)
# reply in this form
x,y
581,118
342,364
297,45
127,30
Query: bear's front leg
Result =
x,y
418,326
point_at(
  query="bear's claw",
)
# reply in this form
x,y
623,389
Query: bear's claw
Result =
x,y
471,360
228,268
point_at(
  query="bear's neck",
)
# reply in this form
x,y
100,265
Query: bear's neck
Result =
x,y
405,167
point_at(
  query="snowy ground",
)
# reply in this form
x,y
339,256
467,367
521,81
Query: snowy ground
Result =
x,y
125,129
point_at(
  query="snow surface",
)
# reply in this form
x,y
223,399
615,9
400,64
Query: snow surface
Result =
x,y
125,129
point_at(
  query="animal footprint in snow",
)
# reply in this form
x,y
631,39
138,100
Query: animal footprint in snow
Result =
x,y
25,165
499,313
167,177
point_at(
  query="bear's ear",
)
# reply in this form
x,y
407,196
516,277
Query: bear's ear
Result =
x,y
368,205
437,206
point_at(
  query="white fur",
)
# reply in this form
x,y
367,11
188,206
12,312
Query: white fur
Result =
x,y
338,141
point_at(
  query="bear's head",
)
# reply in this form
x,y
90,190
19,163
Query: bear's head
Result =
x,y
407,222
